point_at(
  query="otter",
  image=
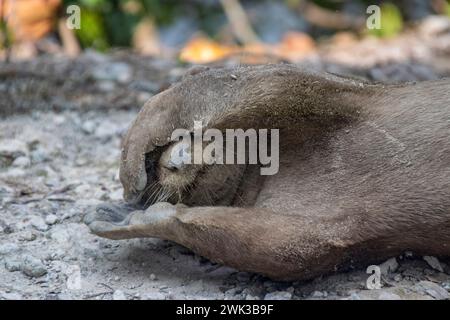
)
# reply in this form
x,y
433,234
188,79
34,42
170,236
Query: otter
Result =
x,y
364,172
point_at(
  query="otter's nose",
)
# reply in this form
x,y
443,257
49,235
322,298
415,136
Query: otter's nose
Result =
x,y
179,157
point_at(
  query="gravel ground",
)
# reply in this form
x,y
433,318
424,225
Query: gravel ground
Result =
x,y
66,162
59,153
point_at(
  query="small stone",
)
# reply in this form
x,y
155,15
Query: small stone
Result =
x,y
231,293
51,219
22,162
8,248
12,264
38,223
89,127
59,119
60,235
33,267
116,195
317,295
152,277
434,263
16,172
82,189
354,296
10,150
278,295
389,266
58,254
434,290
446,285
28,236
388,296
39,155
64,296
154,296
380,294
106,85
10,296
119,295
117,71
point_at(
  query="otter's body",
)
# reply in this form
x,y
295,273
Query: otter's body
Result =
x,y
364,172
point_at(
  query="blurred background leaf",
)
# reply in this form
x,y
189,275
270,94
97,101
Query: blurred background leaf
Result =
x,y
447,8
93,33
391,21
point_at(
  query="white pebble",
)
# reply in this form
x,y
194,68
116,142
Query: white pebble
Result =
x,y
51,219
119,295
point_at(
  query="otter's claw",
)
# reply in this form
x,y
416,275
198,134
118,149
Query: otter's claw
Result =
x,y
124,221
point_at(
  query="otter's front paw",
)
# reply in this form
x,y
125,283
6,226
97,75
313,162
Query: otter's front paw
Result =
x,y
125,222
110,212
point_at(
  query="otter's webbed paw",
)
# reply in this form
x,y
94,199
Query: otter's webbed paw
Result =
x,y
124,221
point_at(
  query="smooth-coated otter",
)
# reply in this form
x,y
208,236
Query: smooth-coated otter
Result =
x,y
364,172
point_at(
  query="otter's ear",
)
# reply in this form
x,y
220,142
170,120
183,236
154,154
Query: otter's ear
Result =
x,y
195,70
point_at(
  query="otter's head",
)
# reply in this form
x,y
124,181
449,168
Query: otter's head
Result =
x,y
217,98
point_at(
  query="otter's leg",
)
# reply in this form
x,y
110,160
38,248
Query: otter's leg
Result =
x,y
250,239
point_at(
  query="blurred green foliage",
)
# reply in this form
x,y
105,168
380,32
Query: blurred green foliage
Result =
x,y
109,23
447,8
6,37
112,22
93,33
391,21
105,23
